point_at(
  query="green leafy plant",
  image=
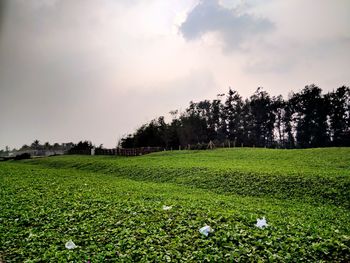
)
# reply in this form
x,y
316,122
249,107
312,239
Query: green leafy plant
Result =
x,y
112,208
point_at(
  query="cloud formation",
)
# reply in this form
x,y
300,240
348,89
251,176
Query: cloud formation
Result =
x,y
87,69
233,26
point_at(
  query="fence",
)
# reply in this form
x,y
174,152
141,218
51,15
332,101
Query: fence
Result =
x,y
83,152
137,151
145,150
99,151
117,151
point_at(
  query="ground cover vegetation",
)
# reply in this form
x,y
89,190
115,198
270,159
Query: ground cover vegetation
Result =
x,y
306,119
112,207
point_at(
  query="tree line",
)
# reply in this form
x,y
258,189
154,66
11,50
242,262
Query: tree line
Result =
x,y
47,146
306,119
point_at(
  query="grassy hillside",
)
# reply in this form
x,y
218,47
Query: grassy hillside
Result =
x,y
112,207
313,175
320,162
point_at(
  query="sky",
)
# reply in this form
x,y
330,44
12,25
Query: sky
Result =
x,y
74,70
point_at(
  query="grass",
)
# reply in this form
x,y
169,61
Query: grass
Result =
x,y
313,175
111,207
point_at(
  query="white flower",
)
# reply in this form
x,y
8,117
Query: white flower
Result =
x,y
206,230
70,245
261,223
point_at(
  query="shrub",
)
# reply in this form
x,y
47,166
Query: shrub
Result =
x,y
22,156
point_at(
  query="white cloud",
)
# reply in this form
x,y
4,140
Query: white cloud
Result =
x,y
68,68
233,26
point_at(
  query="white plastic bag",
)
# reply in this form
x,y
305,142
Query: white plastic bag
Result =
x,y
206,230
261,223
70,245
165,207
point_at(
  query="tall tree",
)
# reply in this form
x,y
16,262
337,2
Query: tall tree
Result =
x,y
339,115
194,126
278,108
262,117
311,109
213,119
35,145
233,111
151,134
288,126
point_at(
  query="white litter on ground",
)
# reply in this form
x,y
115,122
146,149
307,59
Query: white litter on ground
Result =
x,y
261,223
70,245
206,230
165,207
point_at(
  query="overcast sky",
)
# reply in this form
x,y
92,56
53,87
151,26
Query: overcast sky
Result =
x,y
72,70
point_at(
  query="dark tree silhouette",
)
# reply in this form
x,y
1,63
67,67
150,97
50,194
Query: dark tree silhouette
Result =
x,y
311,110
263,119
289,138
339,116
278,109
35,145
233,112
82,147
306,119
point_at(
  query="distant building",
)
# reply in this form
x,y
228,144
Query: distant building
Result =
x,y
57,149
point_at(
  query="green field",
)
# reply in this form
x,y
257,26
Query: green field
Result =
x,y
112,207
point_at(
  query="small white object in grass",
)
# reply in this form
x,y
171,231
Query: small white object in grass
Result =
x,y
70,245
261,223
206,230
165,207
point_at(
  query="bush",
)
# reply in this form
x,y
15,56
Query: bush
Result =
x,y
22,156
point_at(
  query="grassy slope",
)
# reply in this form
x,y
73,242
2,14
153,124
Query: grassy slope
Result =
x,y
313,175
323,162
92,201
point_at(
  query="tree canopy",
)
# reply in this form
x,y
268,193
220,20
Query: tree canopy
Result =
x,y
306,119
